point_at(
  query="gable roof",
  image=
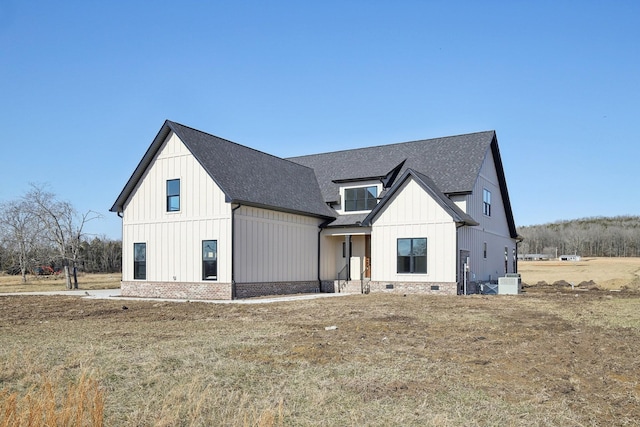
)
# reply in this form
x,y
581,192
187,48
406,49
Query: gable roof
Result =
x,y
427,184
453,162
245,175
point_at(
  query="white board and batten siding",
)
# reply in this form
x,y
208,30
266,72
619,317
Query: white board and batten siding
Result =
x,y
174,239
492,230
413,213
274,246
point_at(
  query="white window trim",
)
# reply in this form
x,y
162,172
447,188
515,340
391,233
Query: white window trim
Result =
x,y
342,210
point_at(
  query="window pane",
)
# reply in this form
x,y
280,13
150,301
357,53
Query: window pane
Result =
x,y
140,251
372,192
173,187
209,260
419,264
404,264
404,247
349,194
420,247
139,261
350,205
173,203
173,195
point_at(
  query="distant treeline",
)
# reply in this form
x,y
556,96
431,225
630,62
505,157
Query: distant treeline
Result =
x,y
96,255
42,234
588,237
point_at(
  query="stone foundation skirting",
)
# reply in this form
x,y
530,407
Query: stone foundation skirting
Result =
x,y
176,290
440,288
249,290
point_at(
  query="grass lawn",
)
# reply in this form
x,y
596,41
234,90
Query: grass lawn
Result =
x,y
538,359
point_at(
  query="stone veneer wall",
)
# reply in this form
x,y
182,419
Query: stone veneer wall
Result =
x,y
248,290
177,290
433,288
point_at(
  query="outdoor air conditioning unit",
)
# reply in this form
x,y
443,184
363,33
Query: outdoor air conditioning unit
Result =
x,y
509,285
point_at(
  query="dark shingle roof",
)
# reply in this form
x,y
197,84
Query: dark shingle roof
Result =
x,y
245,175
443,166
452,162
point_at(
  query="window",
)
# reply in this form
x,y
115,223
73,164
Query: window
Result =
x,y
412,255
173,195
484,250
209,260
360,199
139,261
486,202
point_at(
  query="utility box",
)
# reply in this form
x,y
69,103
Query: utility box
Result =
x,y
356,268
509,285
489,288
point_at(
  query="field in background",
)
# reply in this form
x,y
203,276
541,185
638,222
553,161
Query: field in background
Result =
x,y
13,283
606,273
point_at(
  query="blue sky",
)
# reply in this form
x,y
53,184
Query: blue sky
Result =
x,y
86,85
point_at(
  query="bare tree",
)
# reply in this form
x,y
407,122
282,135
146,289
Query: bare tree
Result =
x,y
20,232
63,226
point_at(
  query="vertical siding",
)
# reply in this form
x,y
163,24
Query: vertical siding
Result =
x,y
275,246
412,213
493,229
174,239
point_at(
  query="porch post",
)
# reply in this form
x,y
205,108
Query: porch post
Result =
x,y
348,253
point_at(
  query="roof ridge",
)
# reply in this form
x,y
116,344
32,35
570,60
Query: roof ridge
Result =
x,y
392,144
238,144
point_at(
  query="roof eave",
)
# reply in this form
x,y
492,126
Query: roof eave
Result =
x,y
139,171
280,209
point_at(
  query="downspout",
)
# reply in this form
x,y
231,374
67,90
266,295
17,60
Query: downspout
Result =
x,y
459,225
233,252
320,228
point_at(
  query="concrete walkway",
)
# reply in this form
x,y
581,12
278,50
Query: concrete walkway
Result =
x,y
114,294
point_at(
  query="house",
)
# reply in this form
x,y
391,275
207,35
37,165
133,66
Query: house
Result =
x,y
206,218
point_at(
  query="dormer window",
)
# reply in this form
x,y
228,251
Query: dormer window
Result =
x,y
360,199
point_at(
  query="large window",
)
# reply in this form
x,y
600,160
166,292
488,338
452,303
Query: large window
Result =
x,y
360,199
173,195
140,261
209,260
412,255
486,202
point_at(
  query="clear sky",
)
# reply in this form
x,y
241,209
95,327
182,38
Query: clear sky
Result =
x,y
86,85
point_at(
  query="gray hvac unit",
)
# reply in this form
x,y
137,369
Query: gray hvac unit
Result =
x,y
509,285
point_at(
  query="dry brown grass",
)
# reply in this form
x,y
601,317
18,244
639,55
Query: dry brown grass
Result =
x,y
538,359
44,405
13,283
606,273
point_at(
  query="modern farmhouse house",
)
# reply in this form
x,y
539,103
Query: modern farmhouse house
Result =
x,y
206,218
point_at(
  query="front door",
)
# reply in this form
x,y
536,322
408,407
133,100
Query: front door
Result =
x,y
367,256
